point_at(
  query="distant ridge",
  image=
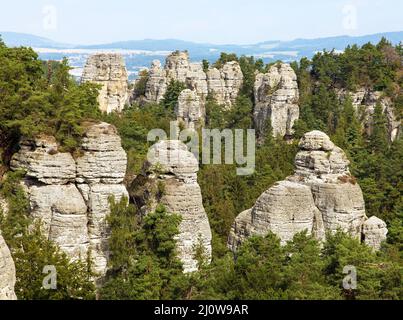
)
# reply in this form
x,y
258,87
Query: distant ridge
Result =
x,y
15,39
302,45
139,54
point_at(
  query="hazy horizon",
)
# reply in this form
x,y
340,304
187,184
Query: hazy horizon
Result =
x,y
207,21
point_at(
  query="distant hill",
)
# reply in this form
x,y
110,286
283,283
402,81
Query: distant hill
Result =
x,y
15,39
140,53
300,45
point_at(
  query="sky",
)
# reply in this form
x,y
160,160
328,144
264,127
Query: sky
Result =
x,y
208,21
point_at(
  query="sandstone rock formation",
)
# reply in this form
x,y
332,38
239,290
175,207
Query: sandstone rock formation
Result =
x,y
364,101
223,84
374,232
320,197
7,273
276,100
172,168
190,110
109,71
156,85
70,196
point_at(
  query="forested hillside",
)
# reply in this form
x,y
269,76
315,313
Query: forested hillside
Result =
x,y
38,97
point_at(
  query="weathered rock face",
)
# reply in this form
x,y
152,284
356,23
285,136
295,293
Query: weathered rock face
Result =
x,y
70,196
7,272
374,232
190,110
157,83
223,84
173,168
44,163
320,197
276,100
177,66
108,70
364,101
286,209
196,79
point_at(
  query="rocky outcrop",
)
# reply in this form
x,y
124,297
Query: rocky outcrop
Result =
x,y
320,197
276,100
170,179
224,84
109,71
7,272
364,101
374,232
190,110
70,196
156,85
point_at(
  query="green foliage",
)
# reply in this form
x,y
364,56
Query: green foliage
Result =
x,y
133,125
172,94
140,86
224,58
225,194
249,67
206,65
373,158
377,276
300,270
144,263
41,99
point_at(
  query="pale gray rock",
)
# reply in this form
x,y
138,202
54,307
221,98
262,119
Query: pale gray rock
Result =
x,y
224,84
63,214
374,231
7,272
71,198
276,100
320,197
190,110
98,229
43,162
171,165
285,209
364,101
156,85
196,79
109,71
177,66
241,230
4,207
319,158
104,160
342,206
316,140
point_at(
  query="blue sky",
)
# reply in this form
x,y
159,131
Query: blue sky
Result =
x,y
214,21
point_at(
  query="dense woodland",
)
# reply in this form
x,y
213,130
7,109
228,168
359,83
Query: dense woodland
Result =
x,y
40,97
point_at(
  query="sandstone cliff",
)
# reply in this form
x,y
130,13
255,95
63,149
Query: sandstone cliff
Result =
x,y
190,110
276,100
364,101
7,272
170,179
70,196
320,197
109,71
224,84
